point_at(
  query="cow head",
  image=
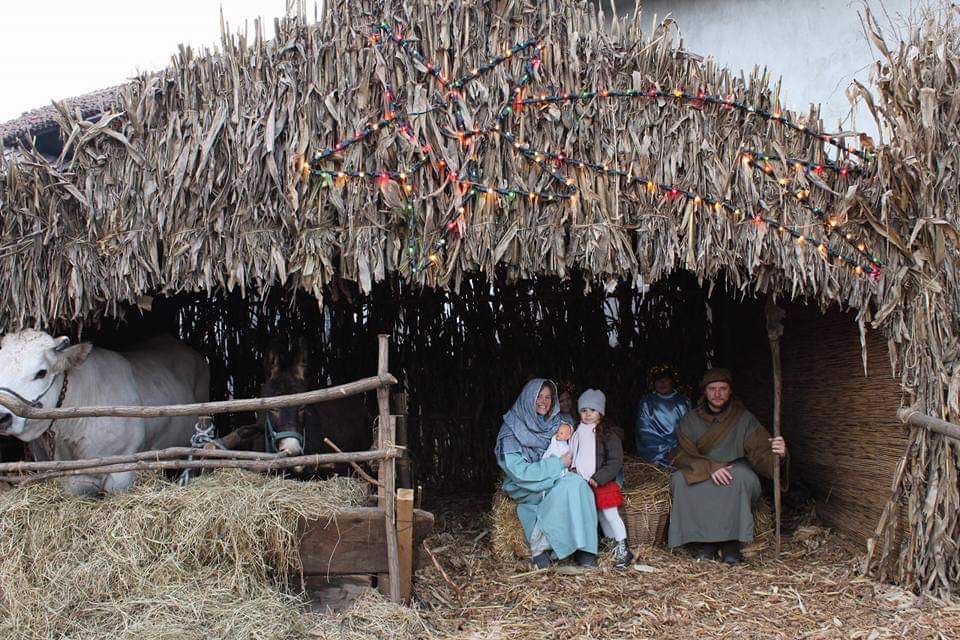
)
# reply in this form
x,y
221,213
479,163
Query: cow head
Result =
x,y
32,364
284,376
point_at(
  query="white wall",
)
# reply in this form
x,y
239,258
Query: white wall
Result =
x,y
817,46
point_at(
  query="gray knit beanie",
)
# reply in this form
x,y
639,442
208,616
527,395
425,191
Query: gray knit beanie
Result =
x,y
593,399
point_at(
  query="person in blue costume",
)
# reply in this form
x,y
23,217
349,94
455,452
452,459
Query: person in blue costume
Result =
x,y
657,417
556,506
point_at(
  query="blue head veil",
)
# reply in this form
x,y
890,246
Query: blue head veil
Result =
x,y
524,430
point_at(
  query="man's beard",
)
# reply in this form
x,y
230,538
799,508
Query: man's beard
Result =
x,y
722,408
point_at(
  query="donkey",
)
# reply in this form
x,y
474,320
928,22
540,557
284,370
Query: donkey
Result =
x,y
301,429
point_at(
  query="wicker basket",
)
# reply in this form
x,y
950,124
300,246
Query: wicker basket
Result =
x,y
646,527
646,504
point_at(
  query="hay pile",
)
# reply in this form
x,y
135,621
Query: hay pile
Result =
x,y
814,592
213,560
646,487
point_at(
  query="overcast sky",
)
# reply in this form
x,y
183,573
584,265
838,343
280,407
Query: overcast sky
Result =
x,y
53,49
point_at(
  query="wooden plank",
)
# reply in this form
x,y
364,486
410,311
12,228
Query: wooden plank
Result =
x,y
405,541
355,541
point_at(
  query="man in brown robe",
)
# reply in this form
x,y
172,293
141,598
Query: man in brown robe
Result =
x,y
722,448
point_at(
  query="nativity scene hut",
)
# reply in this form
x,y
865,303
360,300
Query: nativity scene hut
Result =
x,y
520,189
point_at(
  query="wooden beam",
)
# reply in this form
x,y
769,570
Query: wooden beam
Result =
x,y
355,541
160,454
381,381
387,470
313,460
405,541
917,419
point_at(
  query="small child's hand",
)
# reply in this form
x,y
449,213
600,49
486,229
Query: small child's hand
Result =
x,y
564,432
592,482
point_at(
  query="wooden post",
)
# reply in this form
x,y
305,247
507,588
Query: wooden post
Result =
x,y
405,541
387,471
774,331
404,475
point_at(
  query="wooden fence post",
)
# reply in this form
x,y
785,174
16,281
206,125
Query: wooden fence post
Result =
x,y
387,471
404,473
405,541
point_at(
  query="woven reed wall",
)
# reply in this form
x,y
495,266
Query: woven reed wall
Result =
x,y
845,440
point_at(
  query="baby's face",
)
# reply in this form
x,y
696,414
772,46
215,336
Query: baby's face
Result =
x,y
564,432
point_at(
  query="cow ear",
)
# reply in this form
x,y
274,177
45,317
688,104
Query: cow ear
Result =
x,y
63,358
301,359
271,361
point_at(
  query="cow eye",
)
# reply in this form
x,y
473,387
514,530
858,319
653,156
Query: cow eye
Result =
x,y
40,374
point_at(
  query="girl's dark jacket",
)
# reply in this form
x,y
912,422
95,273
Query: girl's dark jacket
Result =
x,y
609,454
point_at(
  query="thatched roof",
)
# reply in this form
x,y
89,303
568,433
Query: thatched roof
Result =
x,y
198,181
44,120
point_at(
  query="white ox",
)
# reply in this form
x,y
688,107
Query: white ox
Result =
x,y
35,365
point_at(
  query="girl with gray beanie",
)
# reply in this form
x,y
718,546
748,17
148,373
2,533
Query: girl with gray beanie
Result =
x,y
597,450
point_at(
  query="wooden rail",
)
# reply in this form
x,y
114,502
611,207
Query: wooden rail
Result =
x,y
382,380
313,460
917,419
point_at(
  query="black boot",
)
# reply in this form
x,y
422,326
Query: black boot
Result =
x,y
705,551
585,558
730,550
541,560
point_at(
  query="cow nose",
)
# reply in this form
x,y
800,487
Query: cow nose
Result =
x,y
5,420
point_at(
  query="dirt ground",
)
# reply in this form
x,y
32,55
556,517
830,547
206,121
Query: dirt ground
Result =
x,y
814,591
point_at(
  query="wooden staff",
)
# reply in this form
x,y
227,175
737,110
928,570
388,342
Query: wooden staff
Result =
x,y
774,330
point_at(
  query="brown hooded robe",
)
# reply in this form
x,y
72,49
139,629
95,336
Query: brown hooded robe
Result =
x,y
706,512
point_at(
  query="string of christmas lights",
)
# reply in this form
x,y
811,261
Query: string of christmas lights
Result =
x,y
698,100
817,168
383,32
830,223
540,157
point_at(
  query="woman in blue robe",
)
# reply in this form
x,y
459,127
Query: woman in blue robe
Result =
x,y
657,418
556,507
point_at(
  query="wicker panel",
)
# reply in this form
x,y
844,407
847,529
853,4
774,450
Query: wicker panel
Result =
x,y
840,425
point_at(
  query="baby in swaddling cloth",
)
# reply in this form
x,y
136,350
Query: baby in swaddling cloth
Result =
x,y
559,443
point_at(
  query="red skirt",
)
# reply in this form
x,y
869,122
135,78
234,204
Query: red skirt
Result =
x,y
608,495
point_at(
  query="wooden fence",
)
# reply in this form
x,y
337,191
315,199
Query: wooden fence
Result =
x,y
386,450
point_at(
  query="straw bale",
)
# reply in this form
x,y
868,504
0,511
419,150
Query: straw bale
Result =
x,y
506,533
212,560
